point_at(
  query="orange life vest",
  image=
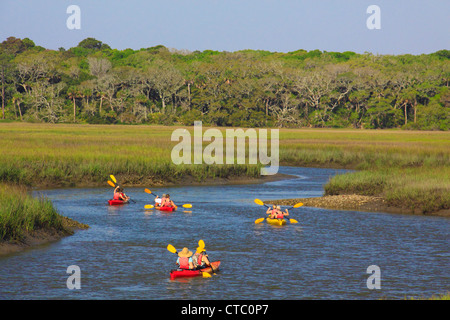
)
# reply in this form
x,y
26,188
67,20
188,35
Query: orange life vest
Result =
x,y
184,262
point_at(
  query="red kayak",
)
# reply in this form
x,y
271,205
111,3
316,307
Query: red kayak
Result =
x,y
182,273
170,209
116,202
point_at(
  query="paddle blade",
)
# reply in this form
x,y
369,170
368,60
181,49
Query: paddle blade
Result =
x,y
259,202
259,220
111,184
171,248
149,206
147,191
201,243
298,205
187,205
206,275
293,221
113,178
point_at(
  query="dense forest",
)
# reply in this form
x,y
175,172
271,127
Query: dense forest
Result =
x,y
93,83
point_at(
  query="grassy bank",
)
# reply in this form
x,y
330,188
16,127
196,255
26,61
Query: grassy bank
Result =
x,y
22,215
425,190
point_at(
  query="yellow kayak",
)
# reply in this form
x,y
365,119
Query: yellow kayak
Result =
x,y
276,222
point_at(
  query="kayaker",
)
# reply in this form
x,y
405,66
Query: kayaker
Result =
x,y
158,200
200,258
166,202
119,195
276,213
272,211
185,259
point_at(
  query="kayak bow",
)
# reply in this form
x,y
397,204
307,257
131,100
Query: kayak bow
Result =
x,y
276,222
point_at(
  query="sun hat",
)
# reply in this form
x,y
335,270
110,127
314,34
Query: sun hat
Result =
x,y
185,253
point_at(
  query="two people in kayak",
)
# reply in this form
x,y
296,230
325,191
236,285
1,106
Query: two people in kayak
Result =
x,y
276,213
119,195
165,201
189,261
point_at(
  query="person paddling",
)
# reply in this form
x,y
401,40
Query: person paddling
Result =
x,y
184,260
166,202
119,195
200,258
272,211
276,213
158,200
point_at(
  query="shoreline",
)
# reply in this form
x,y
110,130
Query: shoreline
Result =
x,y
133,181
41,237
355,202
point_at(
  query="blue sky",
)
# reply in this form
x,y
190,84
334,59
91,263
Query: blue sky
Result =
x,y
407,26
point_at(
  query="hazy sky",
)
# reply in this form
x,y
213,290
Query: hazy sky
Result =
x,y
407,26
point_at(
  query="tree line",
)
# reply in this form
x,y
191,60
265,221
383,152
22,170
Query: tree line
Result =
x,y
93,83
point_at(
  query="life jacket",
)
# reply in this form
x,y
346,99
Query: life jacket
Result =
x,y
197,259
166,203
277,215
117,196
184,262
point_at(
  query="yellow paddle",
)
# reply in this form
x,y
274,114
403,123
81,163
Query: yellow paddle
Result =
x,y
111,184
259,220
172,249
149,206
113,178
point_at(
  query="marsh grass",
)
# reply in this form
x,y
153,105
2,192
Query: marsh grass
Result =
x,y
425,190
21,213
75,154
409,169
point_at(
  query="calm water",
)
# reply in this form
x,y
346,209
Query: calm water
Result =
x,y
325,256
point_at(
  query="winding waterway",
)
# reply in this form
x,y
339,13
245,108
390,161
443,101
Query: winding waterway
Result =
x,y
325,256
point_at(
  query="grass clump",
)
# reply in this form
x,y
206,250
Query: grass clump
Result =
x,y
425,190
20,213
